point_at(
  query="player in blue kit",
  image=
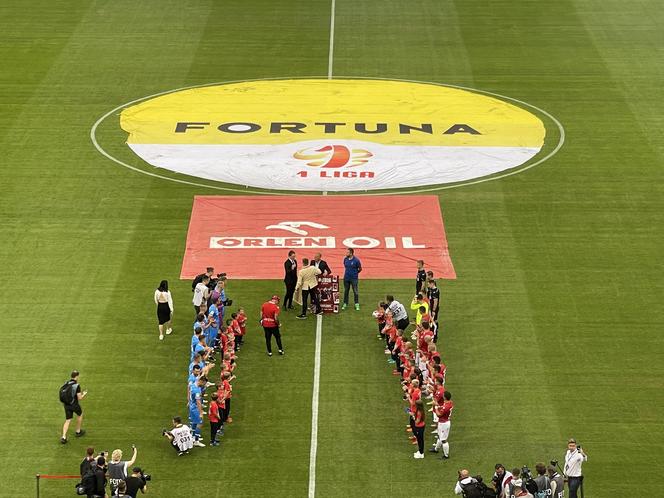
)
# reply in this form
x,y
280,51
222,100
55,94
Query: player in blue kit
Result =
x,y
196,409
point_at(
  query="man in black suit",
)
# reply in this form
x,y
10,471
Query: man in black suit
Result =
x,y
290,279
321,265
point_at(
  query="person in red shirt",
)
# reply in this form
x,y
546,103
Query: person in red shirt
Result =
x,y
379,315
227,393
397,349
390,332
413,394
234,327
215,419
242,323
420,423
270,324
444,413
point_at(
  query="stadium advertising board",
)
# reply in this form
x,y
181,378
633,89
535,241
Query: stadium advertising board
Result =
x,y
249,236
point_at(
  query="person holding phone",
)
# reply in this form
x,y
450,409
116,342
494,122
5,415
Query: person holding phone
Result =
x,y
70,397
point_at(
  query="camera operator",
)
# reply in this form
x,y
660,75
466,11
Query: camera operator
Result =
x,y
542,480
93,478
517,486
501,479
180,436
464,480
557,481
574,458
137,480
121,492
88,462
117,469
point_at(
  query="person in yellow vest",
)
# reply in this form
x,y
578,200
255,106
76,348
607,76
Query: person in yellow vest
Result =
x,y
418,303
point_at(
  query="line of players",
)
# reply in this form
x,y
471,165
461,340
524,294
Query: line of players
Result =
x,y
211,339
418,364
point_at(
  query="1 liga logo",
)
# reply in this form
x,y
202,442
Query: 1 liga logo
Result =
x,y
334,135
335,156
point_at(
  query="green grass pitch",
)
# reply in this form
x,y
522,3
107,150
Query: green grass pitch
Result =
x,y
552,329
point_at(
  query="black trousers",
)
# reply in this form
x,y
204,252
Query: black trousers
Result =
x,y
226,411
290,290
269,332
214,428
575,483
314,299
419,434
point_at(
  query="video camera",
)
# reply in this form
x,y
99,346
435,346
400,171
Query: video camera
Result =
x,y
526,474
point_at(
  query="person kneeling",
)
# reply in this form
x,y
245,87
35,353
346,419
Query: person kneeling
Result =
x,y
180,436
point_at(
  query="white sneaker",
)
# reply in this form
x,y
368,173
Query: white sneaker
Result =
x,y
161,337
201,445
169,331
418,455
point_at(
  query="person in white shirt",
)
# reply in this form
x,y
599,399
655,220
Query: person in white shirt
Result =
x,y
501,479
399,313
180,436
574,458
201,293
164,302
464,480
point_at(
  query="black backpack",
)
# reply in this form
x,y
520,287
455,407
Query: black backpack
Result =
x,y
477,489
68,392
532,487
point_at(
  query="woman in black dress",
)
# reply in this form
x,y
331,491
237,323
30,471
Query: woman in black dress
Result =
x,y
164,301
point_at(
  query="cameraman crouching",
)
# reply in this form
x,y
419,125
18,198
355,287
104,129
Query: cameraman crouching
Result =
x,y
464,480
135,482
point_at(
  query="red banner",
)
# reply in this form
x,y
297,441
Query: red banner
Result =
x,y
250,236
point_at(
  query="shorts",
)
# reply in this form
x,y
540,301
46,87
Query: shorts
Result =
x,y
443,430
194,417
403,323
71,409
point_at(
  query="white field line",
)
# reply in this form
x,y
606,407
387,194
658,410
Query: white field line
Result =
x,y
314,409
330,57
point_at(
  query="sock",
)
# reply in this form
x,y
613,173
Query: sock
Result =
x,y
438,444
446,449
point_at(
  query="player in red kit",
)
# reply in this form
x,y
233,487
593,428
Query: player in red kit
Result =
x,y
379,315
270,324
242,323
444,413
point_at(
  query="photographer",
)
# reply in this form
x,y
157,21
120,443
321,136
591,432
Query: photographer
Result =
x,y
517,487
542,480
180,436
574,458
501,479
137,480
464,481
557,482
88,462
117,469
93,477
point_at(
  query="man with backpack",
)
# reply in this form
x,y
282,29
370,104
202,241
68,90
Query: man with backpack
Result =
x,y
70,397
93,479
472,487
517,487
543,482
